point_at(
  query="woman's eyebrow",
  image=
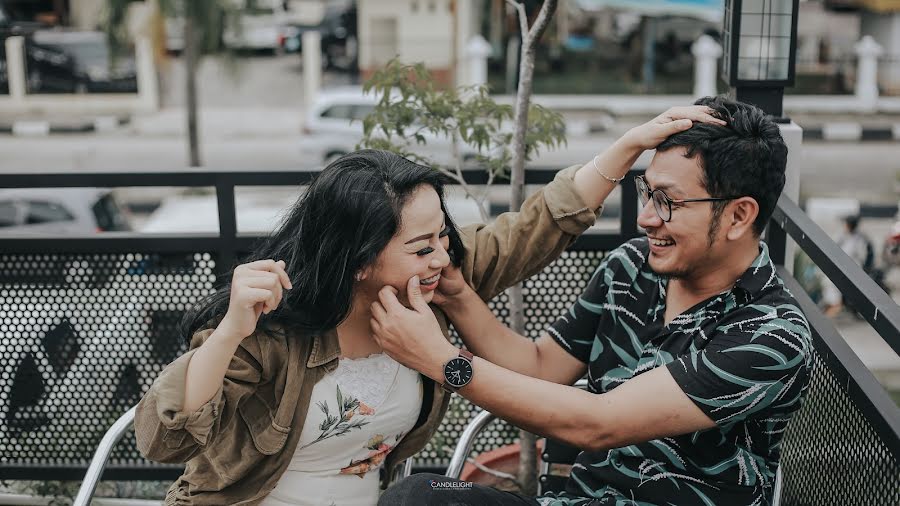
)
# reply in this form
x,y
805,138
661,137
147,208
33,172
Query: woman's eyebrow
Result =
x,y
428,236
419,238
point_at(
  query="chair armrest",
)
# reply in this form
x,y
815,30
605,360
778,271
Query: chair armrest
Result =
x,y
779,486
403,470
101,455
466,441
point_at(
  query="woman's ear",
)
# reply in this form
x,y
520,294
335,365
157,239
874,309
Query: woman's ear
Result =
x,y
742,216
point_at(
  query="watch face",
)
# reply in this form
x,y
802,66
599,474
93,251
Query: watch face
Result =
x,y
458,372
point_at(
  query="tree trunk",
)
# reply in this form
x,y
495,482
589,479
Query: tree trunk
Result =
x,y
527,473
191,42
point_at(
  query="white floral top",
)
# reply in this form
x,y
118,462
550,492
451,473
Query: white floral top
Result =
x,y
357,415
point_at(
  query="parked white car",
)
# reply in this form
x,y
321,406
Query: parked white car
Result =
x,y
60,211
259,212
333,127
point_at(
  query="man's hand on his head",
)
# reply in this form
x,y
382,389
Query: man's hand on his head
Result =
x,y
676,119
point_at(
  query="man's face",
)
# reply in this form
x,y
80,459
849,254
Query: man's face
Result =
x,y
686,245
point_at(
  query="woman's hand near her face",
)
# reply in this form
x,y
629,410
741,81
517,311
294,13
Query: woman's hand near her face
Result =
x,y
256,288
410,336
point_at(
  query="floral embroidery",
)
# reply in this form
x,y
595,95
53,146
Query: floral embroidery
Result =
x,y
379,451
375,442
333,425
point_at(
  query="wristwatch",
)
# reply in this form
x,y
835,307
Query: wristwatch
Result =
x,y
458,371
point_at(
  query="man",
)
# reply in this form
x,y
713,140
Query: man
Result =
x,y
859,248
696,355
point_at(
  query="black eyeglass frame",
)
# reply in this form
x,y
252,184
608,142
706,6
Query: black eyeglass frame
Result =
x,y
640,180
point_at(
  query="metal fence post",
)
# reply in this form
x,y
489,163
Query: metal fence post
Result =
x,y
793,138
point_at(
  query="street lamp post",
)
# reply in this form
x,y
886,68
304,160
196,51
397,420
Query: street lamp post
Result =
x,y
760,46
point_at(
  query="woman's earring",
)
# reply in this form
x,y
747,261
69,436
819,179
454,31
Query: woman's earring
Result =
x,y
358,276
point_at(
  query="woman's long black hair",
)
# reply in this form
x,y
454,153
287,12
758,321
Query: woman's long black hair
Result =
x,y
337,227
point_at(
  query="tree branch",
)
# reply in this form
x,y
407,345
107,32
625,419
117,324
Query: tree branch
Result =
x,y
542,22
523,18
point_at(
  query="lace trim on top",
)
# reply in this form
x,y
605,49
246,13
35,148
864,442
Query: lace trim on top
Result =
x,y
369,378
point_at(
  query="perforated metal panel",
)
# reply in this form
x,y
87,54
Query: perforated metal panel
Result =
x,y
831,453
547,295
82,337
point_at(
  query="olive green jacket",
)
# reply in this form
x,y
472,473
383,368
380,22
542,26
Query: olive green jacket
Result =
x,y
237,445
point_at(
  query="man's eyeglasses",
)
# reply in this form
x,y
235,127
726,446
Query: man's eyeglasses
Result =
x,y
662,203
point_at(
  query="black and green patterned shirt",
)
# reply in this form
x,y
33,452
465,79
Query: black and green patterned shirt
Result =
x,y
742,356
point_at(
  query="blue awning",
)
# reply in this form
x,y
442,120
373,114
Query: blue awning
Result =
x,y
709,10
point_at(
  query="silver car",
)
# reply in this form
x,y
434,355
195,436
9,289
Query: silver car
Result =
x,y
60,212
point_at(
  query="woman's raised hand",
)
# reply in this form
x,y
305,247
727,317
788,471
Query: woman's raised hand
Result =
x,y
256,288
676,119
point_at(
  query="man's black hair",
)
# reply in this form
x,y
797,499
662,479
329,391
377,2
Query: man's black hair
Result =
x,y
746,157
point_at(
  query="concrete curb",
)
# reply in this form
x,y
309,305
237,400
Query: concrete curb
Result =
x,y
837,131
851,132
41,128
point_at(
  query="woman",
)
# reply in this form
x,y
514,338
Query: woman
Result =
x,y
284,396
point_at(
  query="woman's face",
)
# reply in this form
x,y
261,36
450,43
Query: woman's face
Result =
x,y
418,248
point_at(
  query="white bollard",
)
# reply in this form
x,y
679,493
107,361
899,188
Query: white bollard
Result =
x,y
312,65
147,85
15,67
477,51
867,52
706,53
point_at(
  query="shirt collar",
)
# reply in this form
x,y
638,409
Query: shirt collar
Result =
x,y
759,276
326,348
748,287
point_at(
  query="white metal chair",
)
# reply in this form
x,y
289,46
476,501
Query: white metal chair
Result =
x,y
101,456
114,435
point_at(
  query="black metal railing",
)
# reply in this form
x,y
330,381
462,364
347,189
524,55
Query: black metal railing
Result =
x,y
843,447
123,332
91,320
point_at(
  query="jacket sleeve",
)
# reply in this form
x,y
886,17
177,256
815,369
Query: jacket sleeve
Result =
x,y
165,432
518,245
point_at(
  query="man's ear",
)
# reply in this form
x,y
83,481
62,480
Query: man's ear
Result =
x,y
740,215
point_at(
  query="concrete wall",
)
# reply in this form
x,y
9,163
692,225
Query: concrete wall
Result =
x,y
413,30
